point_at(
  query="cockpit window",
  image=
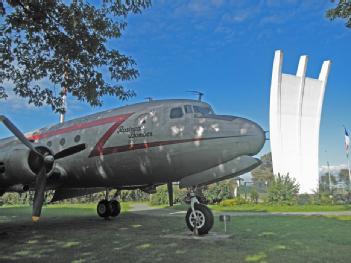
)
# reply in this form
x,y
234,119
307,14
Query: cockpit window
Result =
x,y
176,113
188,109
203,110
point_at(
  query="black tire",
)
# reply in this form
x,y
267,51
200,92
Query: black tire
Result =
x,y
114,208
205,219
103,208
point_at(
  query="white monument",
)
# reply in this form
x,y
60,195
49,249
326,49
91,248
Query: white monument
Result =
x,y
295,113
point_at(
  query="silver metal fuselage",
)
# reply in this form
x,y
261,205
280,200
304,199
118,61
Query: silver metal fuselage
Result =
x,y
137,145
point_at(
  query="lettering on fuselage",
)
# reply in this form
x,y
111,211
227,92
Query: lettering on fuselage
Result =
x,y
134,132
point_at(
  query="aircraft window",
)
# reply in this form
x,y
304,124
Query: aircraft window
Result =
x,y
142,118
49,143
188,109
77,138
176,113
203,110
62,141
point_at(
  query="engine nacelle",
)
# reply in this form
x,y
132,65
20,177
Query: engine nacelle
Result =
x,y
19,165
15,166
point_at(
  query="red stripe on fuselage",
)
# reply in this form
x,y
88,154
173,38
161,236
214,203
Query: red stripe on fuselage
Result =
x,y
118,119
138,146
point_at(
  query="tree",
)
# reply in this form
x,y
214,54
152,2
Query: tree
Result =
x,y
342,10
264,172
65,45
219,191
324,182
344,176
283,190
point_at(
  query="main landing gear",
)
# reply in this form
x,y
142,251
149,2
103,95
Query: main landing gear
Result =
x,y
199,217
110,208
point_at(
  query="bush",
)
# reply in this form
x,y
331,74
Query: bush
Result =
x,y
161,196
232,202
305,199
217,192
283,190
254,196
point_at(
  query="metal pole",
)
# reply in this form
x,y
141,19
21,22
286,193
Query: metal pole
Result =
x,y
329,177
348,167
64,97
245,191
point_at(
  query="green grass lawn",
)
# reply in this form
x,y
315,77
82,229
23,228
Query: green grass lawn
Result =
x,y
282,208
271,208
67,234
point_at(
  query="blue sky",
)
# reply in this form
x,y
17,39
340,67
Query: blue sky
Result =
x,y
225,49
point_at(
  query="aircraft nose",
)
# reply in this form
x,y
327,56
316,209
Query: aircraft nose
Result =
x,y
252,134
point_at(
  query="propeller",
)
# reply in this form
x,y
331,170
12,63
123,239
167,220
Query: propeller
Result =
x,y
18,133
41,163
170,193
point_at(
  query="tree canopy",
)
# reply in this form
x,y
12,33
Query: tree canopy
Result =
x,y
344,176
264,172
342,10
64,44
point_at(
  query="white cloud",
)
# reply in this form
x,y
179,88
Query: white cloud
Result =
x,y
13,101
16,103
198,7
237,16
334,169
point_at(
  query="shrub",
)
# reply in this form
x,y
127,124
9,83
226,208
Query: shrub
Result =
x,y
283,190
254,196
161,196
232,202
305,199
217,192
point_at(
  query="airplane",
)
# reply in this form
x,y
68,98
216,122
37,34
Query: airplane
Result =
x,y
139,146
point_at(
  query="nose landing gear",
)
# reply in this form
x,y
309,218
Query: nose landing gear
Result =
x,y
199,217
110,208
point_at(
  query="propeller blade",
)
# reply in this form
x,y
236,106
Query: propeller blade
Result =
x,y
70,151
170,193
20,136
38,201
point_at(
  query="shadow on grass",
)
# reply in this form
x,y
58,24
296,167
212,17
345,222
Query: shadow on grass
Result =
x,y
80,236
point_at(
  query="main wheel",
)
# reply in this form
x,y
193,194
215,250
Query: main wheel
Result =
x,y
205,219
103,208
114,208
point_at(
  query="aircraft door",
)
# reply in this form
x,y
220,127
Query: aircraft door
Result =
x,y
180,122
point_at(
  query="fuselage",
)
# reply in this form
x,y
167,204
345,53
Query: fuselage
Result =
x,y
142,144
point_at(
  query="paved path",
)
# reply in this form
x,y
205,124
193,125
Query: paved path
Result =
x,y
141,207
145,209
332,213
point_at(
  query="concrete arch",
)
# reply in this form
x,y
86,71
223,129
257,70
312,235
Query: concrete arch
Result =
x,y
295,111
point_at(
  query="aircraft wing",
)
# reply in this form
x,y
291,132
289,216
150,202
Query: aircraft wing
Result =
x,y
64,193
230,169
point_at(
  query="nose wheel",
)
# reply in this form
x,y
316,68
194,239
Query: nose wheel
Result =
x,y
199,218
